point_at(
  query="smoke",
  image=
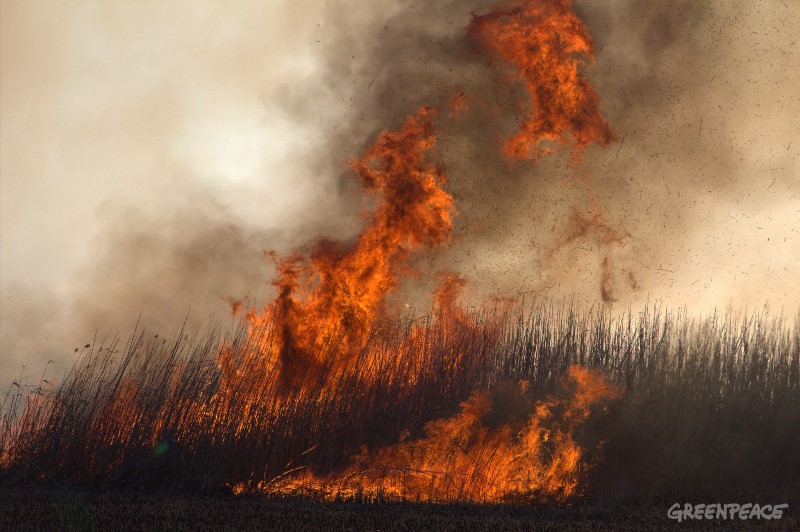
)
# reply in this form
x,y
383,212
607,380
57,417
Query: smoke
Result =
x,y
701,179
151,152
145,166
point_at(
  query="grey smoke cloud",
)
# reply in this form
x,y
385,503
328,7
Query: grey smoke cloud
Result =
x,y
140,150
704,176
152,150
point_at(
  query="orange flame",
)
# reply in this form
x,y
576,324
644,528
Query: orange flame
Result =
x,y
547,44
339,293
474,456
336,293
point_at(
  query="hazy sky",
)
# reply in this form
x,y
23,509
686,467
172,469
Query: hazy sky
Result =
x,y
149,150
137,103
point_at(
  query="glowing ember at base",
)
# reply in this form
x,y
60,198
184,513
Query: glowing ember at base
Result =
x,y
326,392
327,329
500,446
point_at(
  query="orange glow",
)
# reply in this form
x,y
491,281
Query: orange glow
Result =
x,y
547,44
482,454
339,293
458,104
331,300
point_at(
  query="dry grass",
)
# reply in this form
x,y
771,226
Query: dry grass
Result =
x,y
710,408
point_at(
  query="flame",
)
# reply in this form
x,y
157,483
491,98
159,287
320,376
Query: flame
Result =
x,y
332,296
547,44
339,293
472,456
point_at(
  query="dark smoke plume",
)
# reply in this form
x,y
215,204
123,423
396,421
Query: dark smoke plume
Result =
x,y
699,95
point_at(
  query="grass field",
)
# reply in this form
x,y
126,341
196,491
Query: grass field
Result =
x,y
692,411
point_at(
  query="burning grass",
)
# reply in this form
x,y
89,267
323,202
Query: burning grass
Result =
x,y
489,408
322,394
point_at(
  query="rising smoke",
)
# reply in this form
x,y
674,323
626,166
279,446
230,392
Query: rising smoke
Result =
x,y
700,98
700,189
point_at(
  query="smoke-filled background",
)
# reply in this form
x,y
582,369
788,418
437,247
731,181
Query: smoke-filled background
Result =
x,y
151,150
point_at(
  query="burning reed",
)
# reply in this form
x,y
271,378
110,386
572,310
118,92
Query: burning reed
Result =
x,y
323,393
492,408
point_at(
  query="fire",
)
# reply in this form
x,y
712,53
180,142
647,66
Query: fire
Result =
x,y
466,457
339,293
547,44
500,446
331,297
